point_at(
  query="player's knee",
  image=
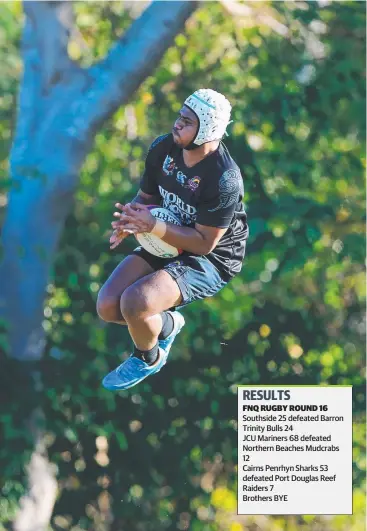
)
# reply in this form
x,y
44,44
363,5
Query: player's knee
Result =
x,y
108,308
133,304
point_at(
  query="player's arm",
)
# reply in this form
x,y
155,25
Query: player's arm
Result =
x,y
215,211
199,240
145,199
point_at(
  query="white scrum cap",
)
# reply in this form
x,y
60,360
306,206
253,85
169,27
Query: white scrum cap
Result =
x,y
213,111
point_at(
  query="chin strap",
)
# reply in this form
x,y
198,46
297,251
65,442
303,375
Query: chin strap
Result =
x,y
225,132
191,146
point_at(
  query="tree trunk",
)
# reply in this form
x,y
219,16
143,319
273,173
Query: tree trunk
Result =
x,y
61,106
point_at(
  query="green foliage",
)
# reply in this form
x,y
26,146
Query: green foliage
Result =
x,y
163,455
10,29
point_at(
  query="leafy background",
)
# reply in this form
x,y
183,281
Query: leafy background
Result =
x,y
164,455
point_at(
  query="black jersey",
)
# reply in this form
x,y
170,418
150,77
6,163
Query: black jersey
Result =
x,y
209,193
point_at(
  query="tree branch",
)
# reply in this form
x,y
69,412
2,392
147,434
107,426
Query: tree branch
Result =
x,y
51,115
129,62
36,505
54,23
45,61
29,93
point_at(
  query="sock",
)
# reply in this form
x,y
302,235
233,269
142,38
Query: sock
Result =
x,y
167,325
149,356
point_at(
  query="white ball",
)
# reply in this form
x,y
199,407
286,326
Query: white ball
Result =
x,y
152,243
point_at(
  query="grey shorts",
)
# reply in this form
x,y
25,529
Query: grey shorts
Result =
x,y
195,275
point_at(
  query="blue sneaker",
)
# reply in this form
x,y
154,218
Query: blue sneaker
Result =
x,y
134,370
131,372
178,323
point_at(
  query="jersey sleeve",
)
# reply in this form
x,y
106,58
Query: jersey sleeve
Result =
x,y
153,163
218,202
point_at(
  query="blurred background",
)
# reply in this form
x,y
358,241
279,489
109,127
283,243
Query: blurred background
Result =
x,y
163,455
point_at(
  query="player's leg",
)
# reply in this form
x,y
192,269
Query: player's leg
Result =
x,y
142,304
132,268
180,282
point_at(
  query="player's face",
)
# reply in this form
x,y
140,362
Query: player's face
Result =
x,y
185,128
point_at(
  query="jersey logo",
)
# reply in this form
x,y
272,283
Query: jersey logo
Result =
x,y
193,183
181,178
169,165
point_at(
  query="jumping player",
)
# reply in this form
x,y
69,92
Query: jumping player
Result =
x,y
190,172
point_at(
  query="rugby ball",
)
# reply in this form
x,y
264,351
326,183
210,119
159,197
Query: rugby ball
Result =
x,y
152,243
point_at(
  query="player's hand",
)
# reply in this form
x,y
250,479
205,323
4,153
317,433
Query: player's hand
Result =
x,y
135,217
121,230
117,237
